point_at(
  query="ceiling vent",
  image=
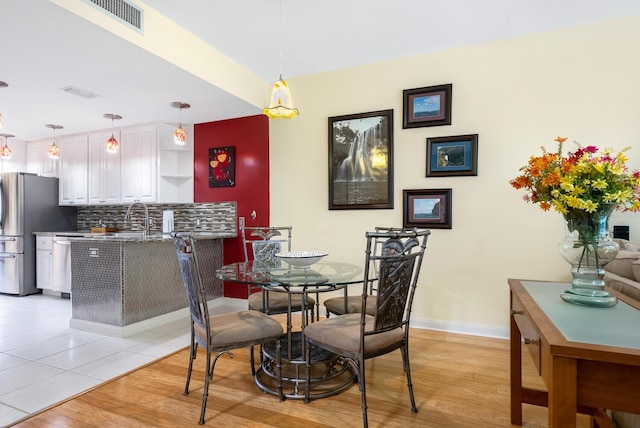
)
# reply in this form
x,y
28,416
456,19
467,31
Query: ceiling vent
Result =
x,y
79,92
124,11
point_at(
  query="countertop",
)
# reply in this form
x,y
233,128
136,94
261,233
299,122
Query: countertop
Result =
x,y
131,235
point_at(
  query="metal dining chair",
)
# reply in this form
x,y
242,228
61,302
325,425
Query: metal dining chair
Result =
x,y
357,337
347,304
219,334
264,243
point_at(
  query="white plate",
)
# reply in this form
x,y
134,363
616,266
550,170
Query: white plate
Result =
x,y
301,258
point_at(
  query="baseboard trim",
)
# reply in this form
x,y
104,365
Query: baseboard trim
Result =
x,y
461,328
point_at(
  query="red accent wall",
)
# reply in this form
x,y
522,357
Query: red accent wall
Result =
x,y
250,137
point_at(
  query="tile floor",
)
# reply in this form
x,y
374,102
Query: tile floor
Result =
x,y
44,361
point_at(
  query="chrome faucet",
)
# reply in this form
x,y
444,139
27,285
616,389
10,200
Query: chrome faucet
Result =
x,y
127,216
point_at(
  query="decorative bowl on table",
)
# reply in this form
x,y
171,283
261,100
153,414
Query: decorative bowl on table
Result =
x,y
301,259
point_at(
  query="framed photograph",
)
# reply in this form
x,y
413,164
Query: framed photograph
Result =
x,y
222,166
430,106
451,156
361,161
427,208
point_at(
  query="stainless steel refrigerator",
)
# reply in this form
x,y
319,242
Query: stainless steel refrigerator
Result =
x,y
28,204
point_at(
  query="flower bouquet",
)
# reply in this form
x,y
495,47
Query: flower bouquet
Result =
x,y
585,186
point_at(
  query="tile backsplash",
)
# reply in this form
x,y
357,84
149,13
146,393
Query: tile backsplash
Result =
x,y
208,217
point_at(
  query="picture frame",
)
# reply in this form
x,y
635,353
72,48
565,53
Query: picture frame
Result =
x,y
427,208
222,166
428,106
452,156
361,161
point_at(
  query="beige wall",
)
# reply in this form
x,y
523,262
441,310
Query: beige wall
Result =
x,y
517,94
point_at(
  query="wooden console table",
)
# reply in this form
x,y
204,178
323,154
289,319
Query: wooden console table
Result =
x,y
589,358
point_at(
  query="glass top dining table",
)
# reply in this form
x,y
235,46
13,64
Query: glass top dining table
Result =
x,y
331,374
325,275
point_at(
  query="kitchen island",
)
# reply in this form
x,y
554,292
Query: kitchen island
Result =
x,y
124,283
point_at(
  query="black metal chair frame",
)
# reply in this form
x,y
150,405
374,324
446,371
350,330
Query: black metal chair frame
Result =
x,y
200,318
372,282
264,248
398,266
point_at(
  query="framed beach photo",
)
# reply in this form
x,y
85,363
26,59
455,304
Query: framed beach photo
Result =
x,y
361,161
429,106
427,208
452,156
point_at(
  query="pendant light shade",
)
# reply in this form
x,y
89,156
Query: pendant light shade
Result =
x,y
53,151
281,104
5,151
112,144
180,135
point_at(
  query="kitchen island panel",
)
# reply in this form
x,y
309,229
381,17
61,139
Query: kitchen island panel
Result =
x,y
96,282
121,283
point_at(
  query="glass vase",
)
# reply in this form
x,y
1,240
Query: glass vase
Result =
x,y
588,248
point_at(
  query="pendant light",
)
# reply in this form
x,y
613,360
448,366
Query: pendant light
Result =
x,y
180,135
53,150
5,151
281,105
112,143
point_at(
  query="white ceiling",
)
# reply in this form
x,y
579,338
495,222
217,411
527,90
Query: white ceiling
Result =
x,y
45,48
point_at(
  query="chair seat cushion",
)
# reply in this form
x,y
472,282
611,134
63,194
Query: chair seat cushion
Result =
x,y
335,305
341,335
239,329
278,302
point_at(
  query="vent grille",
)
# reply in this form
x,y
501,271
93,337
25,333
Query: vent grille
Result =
x,y
122,10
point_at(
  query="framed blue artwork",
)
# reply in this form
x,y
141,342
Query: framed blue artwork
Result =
x,y
429,106
451,156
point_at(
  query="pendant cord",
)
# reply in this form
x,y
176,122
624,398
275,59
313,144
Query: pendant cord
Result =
x,y
281,40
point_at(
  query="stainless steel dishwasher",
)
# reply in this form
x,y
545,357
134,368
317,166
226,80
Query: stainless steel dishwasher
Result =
x,y
61,261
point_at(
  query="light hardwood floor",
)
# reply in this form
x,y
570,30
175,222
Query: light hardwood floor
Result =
x,y
459,381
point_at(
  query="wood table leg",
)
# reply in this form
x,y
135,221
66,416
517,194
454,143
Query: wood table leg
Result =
x,y
516,373
563,392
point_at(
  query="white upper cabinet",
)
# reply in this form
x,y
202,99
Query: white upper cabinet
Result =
x,y
175,165
73,170
104,169
138,164
38,160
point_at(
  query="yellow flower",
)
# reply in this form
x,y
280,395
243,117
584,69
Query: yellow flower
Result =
x,y
590,206
599,184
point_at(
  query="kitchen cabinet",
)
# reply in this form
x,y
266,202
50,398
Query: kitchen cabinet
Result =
x,y
73,169
38,160
103,169
175,165
44,262
138,164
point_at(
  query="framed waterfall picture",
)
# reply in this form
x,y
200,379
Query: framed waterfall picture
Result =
x,y
361,161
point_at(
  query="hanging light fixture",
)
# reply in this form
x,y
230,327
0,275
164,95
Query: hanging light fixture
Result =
x,y
180,135
2,85
281,105
112,143
5,151
53,150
